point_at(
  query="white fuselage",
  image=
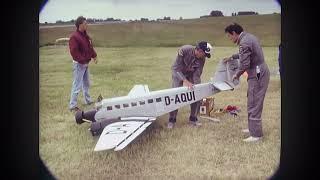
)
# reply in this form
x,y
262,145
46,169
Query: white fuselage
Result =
x,y
153,104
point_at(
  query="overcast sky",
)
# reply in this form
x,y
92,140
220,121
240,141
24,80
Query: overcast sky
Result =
x,y
66,10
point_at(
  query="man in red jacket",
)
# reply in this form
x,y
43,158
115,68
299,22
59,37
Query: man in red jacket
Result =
x,y
82,52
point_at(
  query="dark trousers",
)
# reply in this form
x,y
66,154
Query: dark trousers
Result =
x,y
193,112
194,107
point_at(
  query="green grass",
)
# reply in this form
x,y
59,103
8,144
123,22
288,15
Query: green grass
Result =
x,y
213,151
172,33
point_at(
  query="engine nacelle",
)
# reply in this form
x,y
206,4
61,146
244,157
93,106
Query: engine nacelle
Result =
x,y
98,126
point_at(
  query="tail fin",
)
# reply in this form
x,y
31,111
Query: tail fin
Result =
x,y
225,71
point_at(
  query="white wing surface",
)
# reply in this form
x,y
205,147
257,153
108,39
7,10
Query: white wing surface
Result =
x,y
119,134
139,90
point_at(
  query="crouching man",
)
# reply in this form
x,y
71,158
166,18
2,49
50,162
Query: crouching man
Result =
x,y
186,71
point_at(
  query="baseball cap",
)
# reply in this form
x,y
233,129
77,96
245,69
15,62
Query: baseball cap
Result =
x,y
206,47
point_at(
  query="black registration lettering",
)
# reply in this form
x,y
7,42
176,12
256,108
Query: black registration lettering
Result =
x,y
183,97
177,100
189,96
167,100
194,97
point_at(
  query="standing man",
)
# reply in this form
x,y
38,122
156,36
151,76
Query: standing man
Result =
x,y
186,71
251,61
82,51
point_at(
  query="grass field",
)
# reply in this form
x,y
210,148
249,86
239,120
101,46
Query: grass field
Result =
x,y
214,151
172,33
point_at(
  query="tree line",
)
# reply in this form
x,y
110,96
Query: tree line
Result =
x,y
217,13
93,20
213,13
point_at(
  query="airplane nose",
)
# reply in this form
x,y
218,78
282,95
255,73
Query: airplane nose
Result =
x,y
89,115
78,116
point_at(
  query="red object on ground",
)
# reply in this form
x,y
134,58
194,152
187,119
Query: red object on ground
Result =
x,y
233,110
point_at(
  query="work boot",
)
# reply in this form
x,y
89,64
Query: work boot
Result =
x,y
172,122
252,139
170,125
193,121
245,130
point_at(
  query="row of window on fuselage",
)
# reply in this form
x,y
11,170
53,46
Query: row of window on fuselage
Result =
x,y
133,104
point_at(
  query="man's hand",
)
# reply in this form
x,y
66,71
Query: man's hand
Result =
x,y
188,84
226,59
95,60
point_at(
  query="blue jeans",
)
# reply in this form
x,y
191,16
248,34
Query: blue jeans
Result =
x,y
80,80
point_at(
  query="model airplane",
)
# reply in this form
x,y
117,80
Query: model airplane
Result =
x,y
120,120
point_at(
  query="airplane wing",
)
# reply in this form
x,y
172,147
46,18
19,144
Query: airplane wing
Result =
x,y
119,134
139,90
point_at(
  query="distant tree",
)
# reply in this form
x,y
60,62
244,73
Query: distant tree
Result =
x,y
180,18
144,19
59,22
45,22
205,16
90,20
216,13
109,19
166,18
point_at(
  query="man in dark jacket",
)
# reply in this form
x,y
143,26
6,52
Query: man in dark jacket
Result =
x,y
186,71
82,52
251,61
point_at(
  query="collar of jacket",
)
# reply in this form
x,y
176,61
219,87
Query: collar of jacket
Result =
x,y
84,33
240,37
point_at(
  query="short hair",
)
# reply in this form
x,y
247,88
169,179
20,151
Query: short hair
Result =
x,y
233,27
80,20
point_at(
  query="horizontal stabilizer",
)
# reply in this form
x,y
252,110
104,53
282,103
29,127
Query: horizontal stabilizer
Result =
x,y
222,86
225,72
119,134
